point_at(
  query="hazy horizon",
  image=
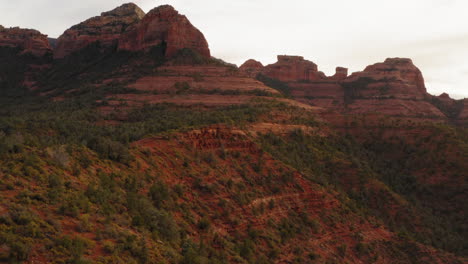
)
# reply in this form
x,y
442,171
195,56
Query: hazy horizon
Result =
x,y
433,33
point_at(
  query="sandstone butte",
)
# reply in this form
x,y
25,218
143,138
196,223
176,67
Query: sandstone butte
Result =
x,y
251,68
27,40
292,69
164,25
399,73
393,87
106,28
397,77
128,28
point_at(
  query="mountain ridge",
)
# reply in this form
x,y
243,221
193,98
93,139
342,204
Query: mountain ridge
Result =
x,y
127,142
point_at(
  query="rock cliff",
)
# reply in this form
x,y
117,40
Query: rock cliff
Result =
x,y
106,28
340,74
164,25
293,68
395,77
251,68
28,40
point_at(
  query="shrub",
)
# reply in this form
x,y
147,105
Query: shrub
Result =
x,y
74,246
209,157
181,87
110,149
159,193
19,250
59,155
204,223
109,246
342,250
85,225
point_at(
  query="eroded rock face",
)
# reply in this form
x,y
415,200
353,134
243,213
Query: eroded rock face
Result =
x,y
251,68
28,40
164,25
293,68
106,28
340,73
464,112
457,110
396,77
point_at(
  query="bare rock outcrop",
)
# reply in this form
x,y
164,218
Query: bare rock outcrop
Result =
x,y
293,68
341,73
164,25
251,68
28,40
395,77
106,28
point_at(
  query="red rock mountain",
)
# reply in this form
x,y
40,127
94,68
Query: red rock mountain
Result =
x,y
340,74
106,28
395,77
28,40
128,27
394,87
251,68
293,68
197,161
164,24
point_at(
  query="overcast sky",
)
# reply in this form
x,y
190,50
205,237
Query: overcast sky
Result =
x,y
353,34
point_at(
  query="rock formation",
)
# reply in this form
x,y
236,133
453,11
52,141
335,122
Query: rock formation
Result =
x,y
340,73
28,40
251,68
106,28
396,77
293,68
164,25
457,110
393,87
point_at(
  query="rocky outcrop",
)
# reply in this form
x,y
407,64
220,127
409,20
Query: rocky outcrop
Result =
x,y
456,110
306,83
128,28
394,87
164,25
251,68
28,40
293,68
340,74
106,28
396,78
